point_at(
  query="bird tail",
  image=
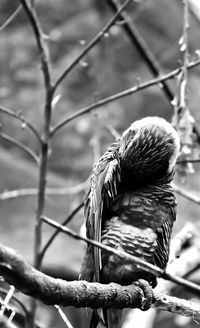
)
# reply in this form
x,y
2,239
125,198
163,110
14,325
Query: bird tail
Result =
x,y
87,267
107,318
112,318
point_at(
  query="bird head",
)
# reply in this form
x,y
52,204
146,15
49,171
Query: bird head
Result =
x,y
149,149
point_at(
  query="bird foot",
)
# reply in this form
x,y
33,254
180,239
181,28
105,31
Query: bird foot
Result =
x,y
147,299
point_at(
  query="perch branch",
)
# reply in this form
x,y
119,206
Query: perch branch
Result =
x,y
128,257
121,94
91,44
81,293
189,259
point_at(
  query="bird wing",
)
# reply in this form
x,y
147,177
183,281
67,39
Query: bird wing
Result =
x,y
103,189
163,238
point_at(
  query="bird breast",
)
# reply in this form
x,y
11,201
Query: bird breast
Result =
x,y
131,227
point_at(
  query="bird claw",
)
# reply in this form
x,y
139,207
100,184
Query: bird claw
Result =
x,y
147,299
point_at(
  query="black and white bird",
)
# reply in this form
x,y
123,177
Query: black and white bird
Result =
x,y
131,206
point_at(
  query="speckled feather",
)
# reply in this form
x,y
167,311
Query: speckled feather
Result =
x,y
130,204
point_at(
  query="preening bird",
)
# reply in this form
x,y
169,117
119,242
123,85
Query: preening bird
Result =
x,y
131,206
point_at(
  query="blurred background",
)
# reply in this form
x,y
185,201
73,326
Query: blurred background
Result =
x,y
110,67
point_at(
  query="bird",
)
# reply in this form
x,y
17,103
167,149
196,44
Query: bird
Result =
x,y
131,206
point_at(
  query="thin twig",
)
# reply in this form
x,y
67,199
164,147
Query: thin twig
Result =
x,y
63,316
11,18
90,45
186,194
22,119
184,49
113,132
125,256
7,300
22,146
64,223
39,36
120,95
14,298
146,53
138,41
184,161
180,101
26,192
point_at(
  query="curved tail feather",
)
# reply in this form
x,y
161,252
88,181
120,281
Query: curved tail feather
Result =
x,y
114,317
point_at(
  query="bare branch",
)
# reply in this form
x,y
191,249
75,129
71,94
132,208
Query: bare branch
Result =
x,y
178,306
46,69
22,119
39,36
44,151
184,49
65,222
7,300
17,143
186,194
81,293
142,47
113,132
26,192
64,317
189,259
120,95
11,18
125,256
91,44
177,243
19,303
183,161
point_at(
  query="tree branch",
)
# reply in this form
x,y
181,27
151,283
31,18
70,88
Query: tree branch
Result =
x,y
186,194
189,260
22,119
11,18
44,149
91,44
22,146
120,95
138,41
65,222
81,293
185,235
39,36
26,192
128,257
